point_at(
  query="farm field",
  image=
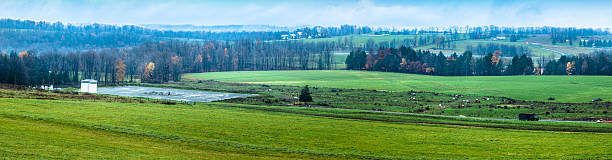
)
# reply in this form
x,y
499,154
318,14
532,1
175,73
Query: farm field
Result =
x,y
85,129
571,50
460,46
338,61
35,139
429,103
534,88
360,40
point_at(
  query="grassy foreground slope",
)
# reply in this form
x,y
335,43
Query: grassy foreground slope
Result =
x,y
32,139
538,88
75,129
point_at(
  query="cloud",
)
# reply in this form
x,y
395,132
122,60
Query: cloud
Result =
x,y
314,12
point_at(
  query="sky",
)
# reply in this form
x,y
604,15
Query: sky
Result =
x,y
406,13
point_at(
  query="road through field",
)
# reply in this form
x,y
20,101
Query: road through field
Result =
x,y
548,49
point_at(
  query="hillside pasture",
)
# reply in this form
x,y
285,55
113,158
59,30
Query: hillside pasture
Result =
x,y
460,45
534,88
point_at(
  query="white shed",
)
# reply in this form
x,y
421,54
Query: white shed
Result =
x,y
89,85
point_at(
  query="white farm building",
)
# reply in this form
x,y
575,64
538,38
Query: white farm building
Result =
x,y
89,85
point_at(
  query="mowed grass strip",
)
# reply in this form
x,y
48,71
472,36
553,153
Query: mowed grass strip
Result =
x,y
535,88
285,133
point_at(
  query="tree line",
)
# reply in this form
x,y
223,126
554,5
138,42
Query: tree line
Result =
x,y
505,50
24,69
158,62
408,60
591,64
595,43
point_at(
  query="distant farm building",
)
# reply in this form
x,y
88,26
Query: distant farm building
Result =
x,y
296,35
89,86
285,36
45,87
499,38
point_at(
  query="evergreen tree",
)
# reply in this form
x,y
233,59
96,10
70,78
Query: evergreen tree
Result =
x,y
465,60
440,64
514,67
356,60
526,64
349,61
361,59
305,95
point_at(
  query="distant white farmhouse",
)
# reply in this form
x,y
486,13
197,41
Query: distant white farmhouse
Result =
x,y
499,38
284,36
49,87
89,86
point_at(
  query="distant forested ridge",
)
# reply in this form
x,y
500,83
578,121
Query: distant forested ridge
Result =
x,y
32,35
21,35
408,60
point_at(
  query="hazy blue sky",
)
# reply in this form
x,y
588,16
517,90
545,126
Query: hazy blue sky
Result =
x,y
578,13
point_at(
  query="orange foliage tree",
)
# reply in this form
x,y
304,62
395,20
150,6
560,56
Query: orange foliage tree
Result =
x,y
119,70
570,68
148,72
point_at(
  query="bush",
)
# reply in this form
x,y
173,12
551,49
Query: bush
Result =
x,y
305,95
168,103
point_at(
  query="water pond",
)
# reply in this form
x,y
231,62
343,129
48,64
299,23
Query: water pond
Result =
x,y
170,94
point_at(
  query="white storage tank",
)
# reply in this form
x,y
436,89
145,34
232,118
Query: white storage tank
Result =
x,y
89,86
85,85
93,86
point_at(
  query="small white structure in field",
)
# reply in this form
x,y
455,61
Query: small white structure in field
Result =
x,y
89,86
49,87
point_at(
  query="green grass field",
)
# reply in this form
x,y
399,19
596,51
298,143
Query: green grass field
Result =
x,y
60,129
411,102
543,40
35,139
360,40
536,88
536,52
339,61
